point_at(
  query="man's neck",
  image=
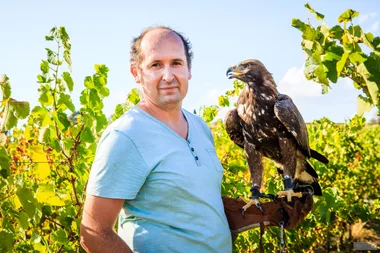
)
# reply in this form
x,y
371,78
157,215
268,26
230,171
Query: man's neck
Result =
x,y
170,116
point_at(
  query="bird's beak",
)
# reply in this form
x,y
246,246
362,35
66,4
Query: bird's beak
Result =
x,y
234,71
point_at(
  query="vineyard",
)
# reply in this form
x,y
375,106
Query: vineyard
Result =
x,y
45,163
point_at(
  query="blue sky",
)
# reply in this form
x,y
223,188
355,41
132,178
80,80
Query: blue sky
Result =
x,y
222,33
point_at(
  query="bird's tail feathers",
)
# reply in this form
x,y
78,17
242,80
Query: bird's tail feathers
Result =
x,y
309,169
316,155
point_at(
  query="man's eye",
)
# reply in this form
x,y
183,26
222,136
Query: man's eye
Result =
x,y
154,65
177,63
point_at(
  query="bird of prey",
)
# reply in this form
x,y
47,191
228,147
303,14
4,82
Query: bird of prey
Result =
x,y
267,123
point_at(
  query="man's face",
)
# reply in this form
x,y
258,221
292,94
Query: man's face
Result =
x,y
164,72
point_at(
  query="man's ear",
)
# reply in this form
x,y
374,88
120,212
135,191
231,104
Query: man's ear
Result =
x,y
135,74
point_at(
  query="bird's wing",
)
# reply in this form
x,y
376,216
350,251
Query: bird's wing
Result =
x,y
287,112
233,127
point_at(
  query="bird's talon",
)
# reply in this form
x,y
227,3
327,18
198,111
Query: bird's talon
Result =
x,y
260,207
289,194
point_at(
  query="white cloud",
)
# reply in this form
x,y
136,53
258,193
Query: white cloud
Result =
x,y
375,26
365,17
295,84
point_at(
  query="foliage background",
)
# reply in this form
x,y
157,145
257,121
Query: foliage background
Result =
x,y
45,163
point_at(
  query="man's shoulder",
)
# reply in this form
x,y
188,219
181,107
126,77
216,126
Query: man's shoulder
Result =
x,y
193,116
130,122
197,120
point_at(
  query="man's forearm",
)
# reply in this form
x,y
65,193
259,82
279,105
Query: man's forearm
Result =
x,y
107,242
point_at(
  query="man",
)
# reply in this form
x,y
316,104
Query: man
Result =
x,y
157,164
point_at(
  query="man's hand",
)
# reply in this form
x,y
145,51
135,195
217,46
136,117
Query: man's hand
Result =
x,y
96,230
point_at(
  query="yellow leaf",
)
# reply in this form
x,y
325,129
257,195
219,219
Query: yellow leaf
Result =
x,y
46,194
42,168
27,133
55,201
16,202
39,247
74,226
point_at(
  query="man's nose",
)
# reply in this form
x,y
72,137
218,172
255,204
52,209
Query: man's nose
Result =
x,y
167,75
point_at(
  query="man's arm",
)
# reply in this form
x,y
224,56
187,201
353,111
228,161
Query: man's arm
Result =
x,y
96,230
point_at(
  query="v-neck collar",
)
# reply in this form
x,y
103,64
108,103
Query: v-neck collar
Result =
x,y
165,125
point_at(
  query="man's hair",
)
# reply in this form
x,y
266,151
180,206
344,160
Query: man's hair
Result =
x,y
136,55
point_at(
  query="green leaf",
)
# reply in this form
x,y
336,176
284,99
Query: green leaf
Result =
x,y
357,58
373,88
45,98
4,163
14,110
88,82
62,120
23,219
6,241
99,81
101,122
373,66
318,15
298,24
41,79
119,110
44,67
21,108
67,57
44,136
309,33
101,69
369,36
5,87
27,200
321,75
65,99
330,56
356,31
95,101
341,63
336,32
68,80
60,236
49,38
104,91
52,56
84,98
348,15
209,113
332,74
64,36
41,115
223,101
310,67
87,135
134,96
363,105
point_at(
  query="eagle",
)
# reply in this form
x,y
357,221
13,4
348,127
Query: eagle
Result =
x,y
266,123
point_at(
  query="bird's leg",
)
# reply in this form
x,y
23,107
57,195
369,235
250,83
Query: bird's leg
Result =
x,y
289,155
254,159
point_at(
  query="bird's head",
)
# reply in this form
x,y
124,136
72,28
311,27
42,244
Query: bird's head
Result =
x,y
251,72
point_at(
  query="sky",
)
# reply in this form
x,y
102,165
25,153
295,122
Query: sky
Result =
x,y
222,34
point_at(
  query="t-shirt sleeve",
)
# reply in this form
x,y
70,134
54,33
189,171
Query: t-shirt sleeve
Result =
x,y
118,170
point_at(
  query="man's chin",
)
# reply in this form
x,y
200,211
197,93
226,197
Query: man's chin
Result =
x,y
171,101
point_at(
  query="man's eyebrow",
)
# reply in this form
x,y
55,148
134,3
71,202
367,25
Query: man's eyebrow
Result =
x,y
173,60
